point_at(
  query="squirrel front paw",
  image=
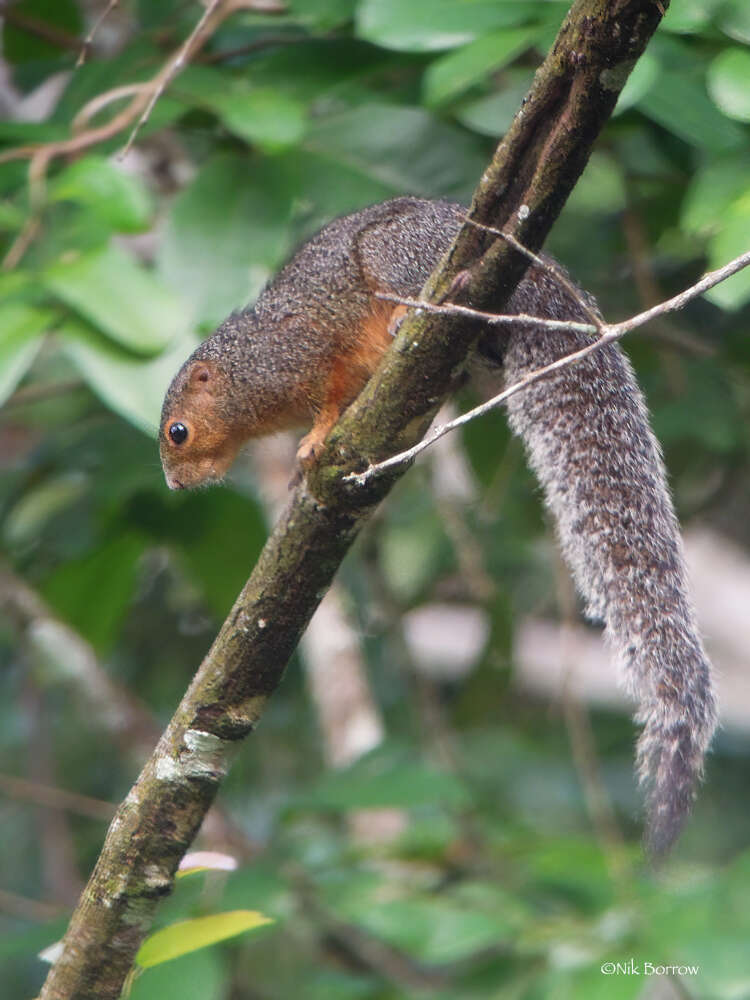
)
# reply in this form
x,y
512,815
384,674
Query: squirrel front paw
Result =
x,y
308,453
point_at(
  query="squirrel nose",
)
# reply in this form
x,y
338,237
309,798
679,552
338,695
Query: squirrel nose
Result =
x,y
175,484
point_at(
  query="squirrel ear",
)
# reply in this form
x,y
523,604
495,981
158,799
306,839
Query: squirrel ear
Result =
x,y
200,374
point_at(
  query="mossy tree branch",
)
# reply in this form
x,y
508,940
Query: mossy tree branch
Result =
x,y
522,191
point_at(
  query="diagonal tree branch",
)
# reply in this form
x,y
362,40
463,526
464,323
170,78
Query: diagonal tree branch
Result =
x,y
522,191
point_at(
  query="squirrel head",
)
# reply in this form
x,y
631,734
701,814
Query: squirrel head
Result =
x,y
197,439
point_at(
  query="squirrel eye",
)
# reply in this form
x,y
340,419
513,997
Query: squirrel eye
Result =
x,y
178,433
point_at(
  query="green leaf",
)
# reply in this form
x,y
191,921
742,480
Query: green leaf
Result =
x,y
190,935
639,83
385,778
492,115
23,46
454,73
227,232
24,133
322,14
132,387
433,930
729,83
93,593
117,197
712,192
732,239
327,188
11,216
224,522
319,68
689,17
21,330
601,188
734,20
264,117
267,116
201,974
41,504
679,103
406,148
121,298
430,25
410,553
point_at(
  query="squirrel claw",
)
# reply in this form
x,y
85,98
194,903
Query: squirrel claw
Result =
x,y
309,451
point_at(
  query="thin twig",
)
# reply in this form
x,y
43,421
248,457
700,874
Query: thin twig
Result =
x,y
546,265
216,11
144,99
101,101
609,334
493,319
170,71
88,40
22,242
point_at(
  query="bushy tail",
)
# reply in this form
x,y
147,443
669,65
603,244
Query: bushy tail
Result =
x,y
588,439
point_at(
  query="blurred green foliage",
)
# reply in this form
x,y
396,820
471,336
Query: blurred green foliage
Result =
x,y
497,886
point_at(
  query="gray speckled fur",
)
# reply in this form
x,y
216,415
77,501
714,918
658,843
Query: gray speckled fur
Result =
x,y
587,437
393,245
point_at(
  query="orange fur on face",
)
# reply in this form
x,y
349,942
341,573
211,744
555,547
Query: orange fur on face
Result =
x,y
212,444
218,424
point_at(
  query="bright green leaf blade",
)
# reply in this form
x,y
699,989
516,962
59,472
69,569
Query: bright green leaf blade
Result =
x,y
431,25
21,330
265,117
454,73
132,387
190,935
118,198
729,83
123,300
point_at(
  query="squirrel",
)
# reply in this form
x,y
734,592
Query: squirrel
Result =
x,y
314,337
